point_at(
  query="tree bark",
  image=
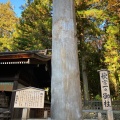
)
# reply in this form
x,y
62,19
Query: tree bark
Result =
x,y
85,80
66,103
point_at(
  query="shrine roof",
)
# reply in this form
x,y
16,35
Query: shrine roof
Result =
x,y
25,88
24,57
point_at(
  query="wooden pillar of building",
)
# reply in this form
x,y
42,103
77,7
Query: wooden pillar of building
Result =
x,y
15,85
66,101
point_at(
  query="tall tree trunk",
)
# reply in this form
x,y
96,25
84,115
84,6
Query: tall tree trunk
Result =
x,y
66,103
85,80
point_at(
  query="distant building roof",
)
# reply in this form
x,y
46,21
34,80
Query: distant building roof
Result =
x,y
24,57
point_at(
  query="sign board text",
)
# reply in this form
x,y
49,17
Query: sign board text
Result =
x,y
29,98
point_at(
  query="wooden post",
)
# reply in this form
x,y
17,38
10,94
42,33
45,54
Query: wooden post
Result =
x,y
15,85
105,91
25,113
45,114
66,103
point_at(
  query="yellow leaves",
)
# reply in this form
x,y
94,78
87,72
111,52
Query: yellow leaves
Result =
x,y
94,13
111,56
96,0
6,43
34,28
112,30
7,26
88,2
7,17
46,2
112,3
114,6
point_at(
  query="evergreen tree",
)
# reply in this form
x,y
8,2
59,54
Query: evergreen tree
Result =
x,y
34,28
7,26
90,37
111,59
111,49
93,17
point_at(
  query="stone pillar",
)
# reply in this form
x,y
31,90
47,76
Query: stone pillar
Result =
x,y
110,115
66,103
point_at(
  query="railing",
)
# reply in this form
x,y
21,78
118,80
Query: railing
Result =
x,y
92,109
6,115
94,114
97,105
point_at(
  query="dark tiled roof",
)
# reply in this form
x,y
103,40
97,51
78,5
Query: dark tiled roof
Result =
x,y
24,57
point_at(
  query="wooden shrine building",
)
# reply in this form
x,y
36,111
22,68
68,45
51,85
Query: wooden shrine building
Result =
x,y
19,70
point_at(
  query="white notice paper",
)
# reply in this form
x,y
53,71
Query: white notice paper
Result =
x,y
29,98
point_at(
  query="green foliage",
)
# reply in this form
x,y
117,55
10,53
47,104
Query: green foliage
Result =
x,y
34,29
7,26
98,97
90,15
111,58
89,36
111,49
98,32
112,30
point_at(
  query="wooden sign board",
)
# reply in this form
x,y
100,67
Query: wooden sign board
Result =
x,y
29,98
106,100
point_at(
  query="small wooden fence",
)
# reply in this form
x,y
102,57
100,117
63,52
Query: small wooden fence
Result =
x,y
94,114
97,105
92,109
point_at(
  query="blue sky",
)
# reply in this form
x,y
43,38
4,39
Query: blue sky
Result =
x,y
16,5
